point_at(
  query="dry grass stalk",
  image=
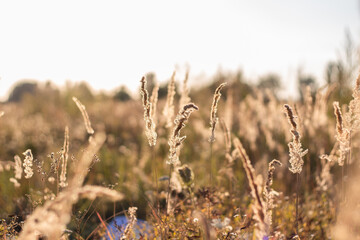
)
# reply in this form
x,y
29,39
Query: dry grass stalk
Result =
x,y
50,220
213,118
28,162
352,117
64,158
149,123
229,109
324,181
17,167
15,182
175,138
269,193
342,135
154,100
296,151
208,232
169,110
259,205
85,115
184,99
227,136
129,233
348,219
92,192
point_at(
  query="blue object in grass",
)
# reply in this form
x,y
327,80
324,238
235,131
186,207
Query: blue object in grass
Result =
x,y
117,227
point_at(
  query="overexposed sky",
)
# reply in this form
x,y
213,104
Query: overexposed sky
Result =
x,y
112,42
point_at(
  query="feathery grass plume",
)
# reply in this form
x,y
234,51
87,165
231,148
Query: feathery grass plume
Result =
x,y
213,118
169,106
50,220
184,99
352,117
342,135
85,115
149,123
17,167
154,100
129,233
295,148
175,138
259,205
268,192
64,158
28,162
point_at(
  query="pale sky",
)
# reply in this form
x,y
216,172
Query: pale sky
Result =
x,y
112,43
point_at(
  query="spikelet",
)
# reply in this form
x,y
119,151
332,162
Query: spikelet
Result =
x,y
129,233
169,106
342,135
149,123
175,138
259,205
268,192
295,148
28,162
213,118
184,99
85,115
64,158
17,167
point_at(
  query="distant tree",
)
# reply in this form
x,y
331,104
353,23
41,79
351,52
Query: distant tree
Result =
x,y
122,95
342,71
270,81
21,89
305,80
150,81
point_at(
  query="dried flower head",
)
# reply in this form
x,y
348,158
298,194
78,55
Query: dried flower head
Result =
x,y
129,233
85,115
296,151
269,193
175,138
28,163
149,123
213,118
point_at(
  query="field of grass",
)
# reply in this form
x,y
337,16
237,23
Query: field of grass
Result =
x,y
224,161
